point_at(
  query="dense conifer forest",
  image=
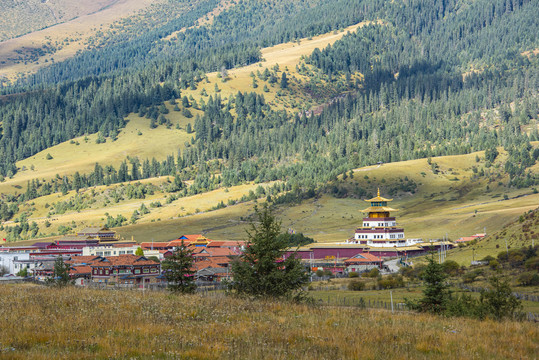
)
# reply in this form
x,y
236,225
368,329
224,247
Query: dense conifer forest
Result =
x,y
431,70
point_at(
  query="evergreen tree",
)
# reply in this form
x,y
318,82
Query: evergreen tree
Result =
x,y
262,270
284,81
499,301
178,270
60,272
436,293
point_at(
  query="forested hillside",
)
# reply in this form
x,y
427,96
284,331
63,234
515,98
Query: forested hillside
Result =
x,y
423,78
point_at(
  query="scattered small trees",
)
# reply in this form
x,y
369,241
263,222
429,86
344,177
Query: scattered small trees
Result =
x,y
178,270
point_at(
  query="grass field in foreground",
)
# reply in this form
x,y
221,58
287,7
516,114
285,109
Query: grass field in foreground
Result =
x,y
77,323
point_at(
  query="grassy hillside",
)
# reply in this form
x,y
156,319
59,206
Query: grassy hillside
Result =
x,y
137,139
163,325
21,17
60,29
521,232
438,205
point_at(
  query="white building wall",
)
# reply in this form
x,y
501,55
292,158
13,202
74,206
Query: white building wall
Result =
x,y
379,223
7,260
108,250
384,236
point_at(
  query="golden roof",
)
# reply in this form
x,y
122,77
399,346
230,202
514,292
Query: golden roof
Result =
x,y
378,209
379,198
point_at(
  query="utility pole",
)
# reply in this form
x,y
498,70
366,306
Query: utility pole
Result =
x,y
391,294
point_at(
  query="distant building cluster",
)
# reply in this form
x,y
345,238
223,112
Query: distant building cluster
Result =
x,y
98,256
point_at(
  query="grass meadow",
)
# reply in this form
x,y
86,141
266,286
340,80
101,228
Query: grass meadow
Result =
x,y
76,323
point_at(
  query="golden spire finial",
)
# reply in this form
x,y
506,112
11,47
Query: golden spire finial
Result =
x,y
378,191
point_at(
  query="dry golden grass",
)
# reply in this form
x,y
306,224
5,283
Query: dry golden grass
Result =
x,y
31,15
80,28
76,323
68,157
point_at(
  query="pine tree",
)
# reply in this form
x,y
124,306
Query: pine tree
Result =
x,y
60,272
178,270
436,292
262,270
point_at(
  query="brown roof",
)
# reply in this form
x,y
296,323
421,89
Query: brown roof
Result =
x,y
213,252
80,270
226,243
214,262
83,259
124,260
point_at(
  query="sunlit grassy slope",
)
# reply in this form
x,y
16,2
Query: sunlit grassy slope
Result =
x,y
440,206
68,37
83,152
69,157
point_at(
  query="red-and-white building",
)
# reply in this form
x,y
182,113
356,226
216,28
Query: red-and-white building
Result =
x,y
379,228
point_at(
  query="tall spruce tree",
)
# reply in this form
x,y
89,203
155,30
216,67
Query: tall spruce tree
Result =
x,y
60,272
178,270
263,270
436,292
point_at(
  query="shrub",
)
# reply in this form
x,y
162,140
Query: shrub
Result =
x,y
328,273
373,273
451,267
353,274
532,263
319,272
530,278
356,285
391,282
494,264
499,302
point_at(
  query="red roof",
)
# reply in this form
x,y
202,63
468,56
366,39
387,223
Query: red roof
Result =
x,y
466,239
192,237
214,262
363,258
83,259
124,260
80,270
210,252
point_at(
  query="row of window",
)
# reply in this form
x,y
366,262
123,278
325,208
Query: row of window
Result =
x,y
124,271
108,253
366,224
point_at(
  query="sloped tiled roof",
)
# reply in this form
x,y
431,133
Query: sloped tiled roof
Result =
x,y
226,243
80,270
192,237
83,259
125,260
213,252
363,257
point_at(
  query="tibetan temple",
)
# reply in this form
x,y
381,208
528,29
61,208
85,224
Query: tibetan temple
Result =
x,y
377,235
379,229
